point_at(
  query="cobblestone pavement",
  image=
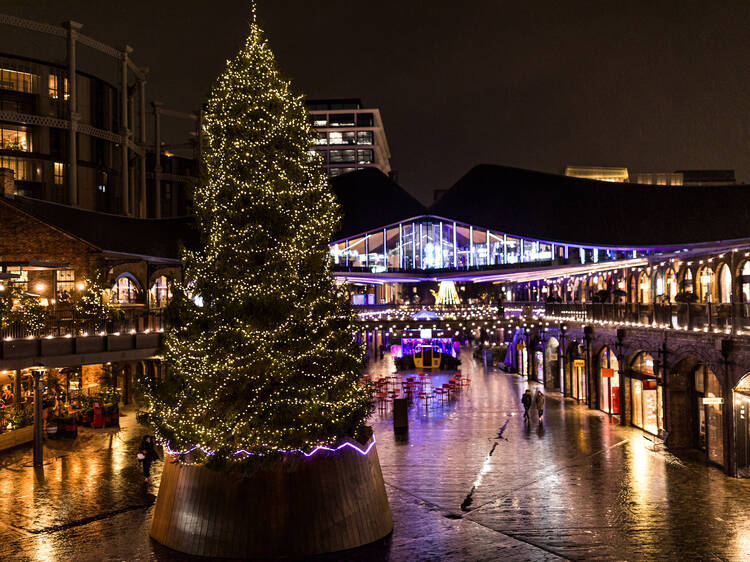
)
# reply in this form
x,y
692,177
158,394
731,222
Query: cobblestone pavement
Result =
x,y
471,481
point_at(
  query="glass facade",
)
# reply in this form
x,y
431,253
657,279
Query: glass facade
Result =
x,y
433,243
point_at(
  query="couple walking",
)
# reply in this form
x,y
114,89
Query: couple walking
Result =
x,y
538,400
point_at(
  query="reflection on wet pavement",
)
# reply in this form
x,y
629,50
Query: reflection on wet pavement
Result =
x,y
471,481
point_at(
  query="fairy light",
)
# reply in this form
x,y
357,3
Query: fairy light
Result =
x,y
262,359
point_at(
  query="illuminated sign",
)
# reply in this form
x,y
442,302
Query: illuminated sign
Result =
x,y
425,333
712,401
607,372
579,363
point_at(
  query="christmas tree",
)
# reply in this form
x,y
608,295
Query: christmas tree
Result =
x,y
261,357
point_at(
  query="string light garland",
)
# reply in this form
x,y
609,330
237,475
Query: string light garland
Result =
x,y
262,359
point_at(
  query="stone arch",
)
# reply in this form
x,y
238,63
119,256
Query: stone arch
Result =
x,y
693,422
706,284
126,290
743,282
724,284
632,288
687,279
644,288
671,287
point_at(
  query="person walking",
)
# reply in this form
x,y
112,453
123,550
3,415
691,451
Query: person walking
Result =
x,y
539,401
147,454
526,401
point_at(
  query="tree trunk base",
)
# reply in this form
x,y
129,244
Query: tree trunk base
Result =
x,y
325,503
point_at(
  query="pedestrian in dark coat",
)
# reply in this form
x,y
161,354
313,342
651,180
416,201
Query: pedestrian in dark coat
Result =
x,y
149,454
526,401
539,401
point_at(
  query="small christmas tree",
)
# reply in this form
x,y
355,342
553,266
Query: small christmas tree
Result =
x,y
261,358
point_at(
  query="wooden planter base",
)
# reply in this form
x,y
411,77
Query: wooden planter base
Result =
x,y
325,503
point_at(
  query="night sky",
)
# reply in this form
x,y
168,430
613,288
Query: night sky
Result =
x,y
655,86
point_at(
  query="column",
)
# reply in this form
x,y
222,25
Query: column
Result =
x,y
38,421
157,154
17,389
125,188
143,199
72,28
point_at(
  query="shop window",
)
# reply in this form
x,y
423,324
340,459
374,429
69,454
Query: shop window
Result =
x,y
65,283
320,120
609,371
15,138
321,138
646,395
125,291
17,81
160,293
59,173
643,364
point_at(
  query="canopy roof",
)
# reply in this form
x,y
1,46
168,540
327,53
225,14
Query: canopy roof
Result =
x,y
565,209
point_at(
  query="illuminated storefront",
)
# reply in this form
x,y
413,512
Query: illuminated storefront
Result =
x,y
646,395
609,382
710,402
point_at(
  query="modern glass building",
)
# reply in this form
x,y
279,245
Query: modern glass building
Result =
x,y
435,243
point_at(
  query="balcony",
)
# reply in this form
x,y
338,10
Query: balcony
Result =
x,y
691,317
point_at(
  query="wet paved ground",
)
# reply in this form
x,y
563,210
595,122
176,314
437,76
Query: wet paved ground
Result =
x,y
577,487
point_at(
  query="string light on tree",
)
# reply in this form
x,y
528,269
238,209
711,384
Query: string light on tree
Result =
x,y
267,363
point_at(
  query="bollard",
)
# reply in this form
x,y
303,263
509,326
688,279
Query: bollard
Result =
x,y
400,415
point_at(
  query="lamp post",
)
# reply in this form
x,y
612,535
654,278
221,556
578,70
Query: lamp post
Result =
x,y
37,373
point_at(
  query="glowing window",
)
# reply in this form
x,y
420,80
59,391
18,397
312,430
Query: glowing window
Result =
x,y
15,138
59,170
17,81
124,291
160,293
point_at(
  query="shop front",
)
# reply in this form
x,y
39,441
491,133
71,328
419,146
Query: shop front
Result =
x,y
539,365
552,365
522,359
709,425
609,382
575,373
741,403
646,395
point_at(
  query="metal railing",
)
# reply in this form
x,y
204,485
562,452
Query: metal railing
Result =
x,y
710,317
61,323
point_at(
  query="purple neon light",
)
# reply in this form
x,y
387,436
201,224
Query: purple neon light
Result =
x,y
363,452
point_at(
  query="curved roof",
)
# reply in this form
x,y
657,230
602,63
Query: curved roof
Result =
x,y
565,209
369,200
